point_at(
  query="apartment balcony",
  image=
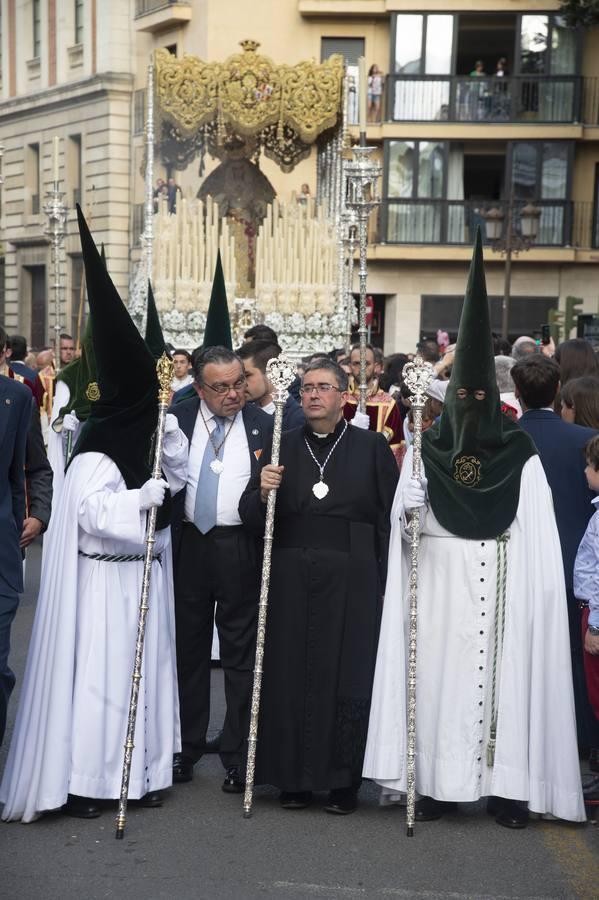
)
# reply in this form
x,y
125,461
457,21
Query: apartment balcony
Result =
x,y
547,100
453,223
158,15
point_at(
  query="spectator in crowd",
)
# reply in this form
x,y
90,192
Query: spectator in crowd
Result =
x,y
18,346
255,356
561,449
580,401
575,358
479,69
172,189
509,403
381,414
376,82
586,591
181,363
260,333
390,380
67,349
304,195
523,346
429,350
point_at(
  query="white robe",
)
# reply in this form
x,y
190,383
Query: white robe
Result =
x,y
536,758
57,442
72,717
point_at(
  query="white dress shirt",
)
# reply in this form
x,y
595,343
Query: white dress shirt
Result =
x,y
236,472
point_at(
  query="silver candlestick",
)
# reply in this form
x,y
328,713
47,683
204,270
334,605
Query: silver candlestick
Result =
x,y
362,197
350,237
56,212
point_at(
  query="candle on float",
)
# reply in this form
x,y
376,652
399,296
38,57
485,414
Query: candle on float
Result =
x,y
55,158
363,90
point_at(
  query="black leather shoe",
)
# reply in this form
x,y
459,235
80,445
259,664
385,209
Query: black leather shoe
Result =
x,y
81,807
295,799
342,801
152,799
509,813
429,810
594,760
212,744
182,768
233,783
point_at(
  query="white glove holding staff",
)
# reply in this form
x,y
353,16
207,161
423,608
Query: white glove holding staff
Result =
x,y
414,494
70,422
152,493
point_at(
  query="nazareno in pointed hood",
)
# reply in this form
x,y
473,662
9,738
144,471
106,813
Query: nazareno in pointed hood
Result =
x,y
124,412
218,325
473,457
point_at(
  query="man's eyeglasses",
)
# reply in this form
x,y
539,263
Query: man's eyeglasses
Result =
x,y
238,387
322,388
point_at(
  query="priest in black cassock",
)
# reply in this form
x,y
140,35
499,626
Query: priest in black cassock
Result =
x,y
335,489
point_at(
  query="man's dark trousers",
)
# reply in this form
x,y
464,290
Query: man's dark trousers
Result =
x,y
218,568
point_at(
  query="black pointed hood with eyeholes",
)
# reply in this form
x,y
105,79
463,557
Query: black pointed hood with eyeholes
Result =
x,y
473,457
123,418
154,338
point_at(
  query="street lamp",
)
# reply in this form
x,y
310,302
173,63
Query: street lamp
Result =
x,y
511,241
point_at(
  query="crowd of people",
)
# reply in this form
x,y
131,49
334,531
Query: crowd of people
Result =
x,y
508,634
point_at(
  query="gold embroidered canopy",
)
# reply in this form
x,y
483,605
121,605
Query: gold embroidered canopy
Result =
x,y
248,100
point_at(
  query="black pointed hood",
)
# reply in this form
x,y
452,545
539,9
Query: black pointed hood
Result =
x,y
218,325
473,457
124,415
154,337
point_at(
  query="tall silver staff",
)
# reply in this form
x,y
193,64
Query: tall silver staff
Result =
x,y
164,371
280,373
417,375
362,174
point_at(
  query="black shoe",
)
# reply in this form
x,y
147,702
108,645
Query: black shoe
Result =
x,y
295,799
212,744
590,790
429,810
182,768
81,807
508,813
152,799
233,783
342,801
594,760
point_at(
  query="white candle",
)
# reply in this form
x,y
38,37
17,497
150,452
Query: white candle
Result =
x,y
55,159
363,90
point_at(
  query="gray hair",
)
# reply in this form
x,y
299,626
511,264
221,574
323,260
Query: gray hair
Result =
x,y
523,347
216,355
503,367
329,365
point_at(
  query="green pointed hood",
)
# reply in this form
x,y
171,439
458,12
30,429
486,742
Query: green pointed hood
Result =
x,y
218,325
473,457
124,415
154,338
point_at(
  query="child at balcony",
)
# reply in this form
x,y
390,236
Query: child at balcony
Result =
x,y
376,80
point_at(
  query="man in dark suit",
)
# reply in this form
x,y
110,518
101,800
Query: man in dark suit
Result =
x,y
561,450
15,412
38,475
216,561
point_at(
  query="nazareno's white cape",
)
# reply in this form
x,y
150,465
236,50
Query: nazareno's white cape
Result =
x,y
72,716
536,758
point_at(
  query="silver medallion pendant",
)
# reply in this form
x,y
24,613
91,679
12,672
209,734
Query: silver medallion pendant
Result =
x,y
320,490
217,466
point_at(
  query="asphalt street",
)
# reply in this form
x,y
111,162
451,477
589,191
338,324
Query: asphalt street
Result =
x,y
199,847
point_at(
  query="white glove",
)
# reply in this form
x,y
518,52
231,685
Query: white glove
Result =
x,y
361,420
171,424
70,422
152,493
414,494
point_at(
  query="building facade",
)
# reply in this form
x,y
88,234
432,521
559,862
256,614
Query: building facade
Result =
x,y
454,145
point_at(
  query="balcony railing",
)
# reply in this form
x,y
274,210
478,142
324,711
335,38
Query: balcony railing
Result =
x,y
455,98
142,7
454,222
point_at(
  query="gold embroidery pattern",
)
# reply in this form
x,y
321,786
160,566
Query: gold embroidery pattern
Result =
x,y
92,392
466,470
